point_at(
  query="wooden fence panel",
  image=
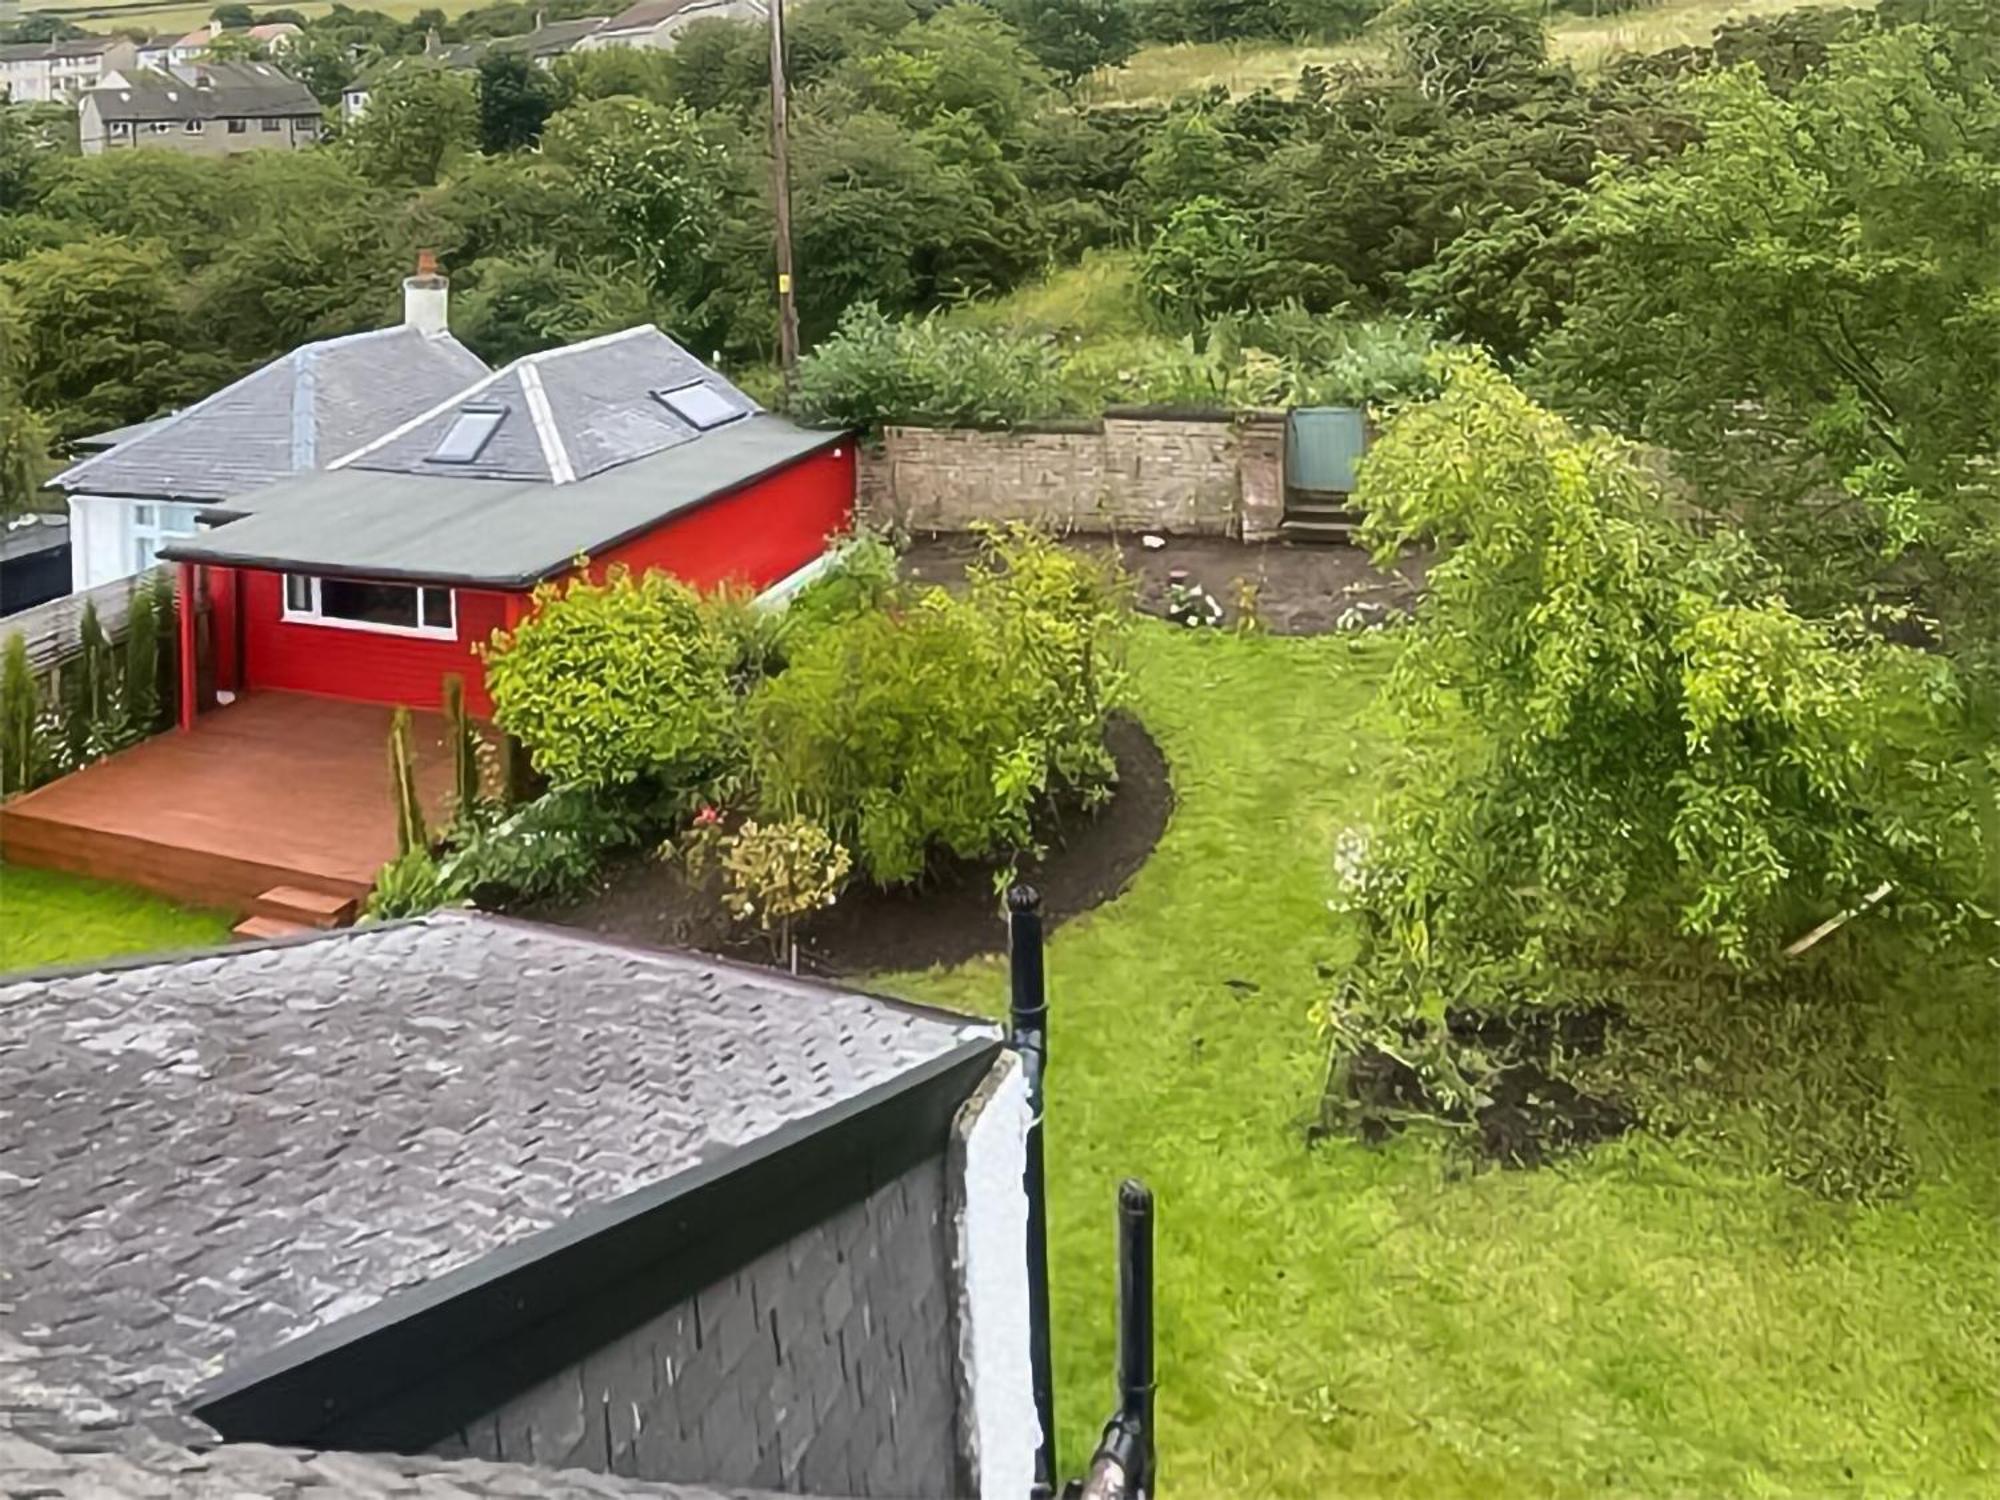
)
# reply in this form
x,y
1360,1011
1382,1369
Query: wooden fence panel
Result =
x,y
51,630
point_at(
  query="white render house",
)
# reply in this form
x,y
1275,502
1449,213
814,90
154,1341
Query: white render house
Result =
x,y
149,483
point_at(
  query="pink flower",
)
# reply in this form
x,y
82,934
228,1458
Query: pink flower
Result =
x,y
708,817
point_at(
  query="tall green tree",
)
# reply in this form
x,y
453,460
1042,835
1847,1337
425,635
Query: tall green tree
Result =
x,y
1454,48
24,438
1804,307
516,99
104,332
1074,38
421,122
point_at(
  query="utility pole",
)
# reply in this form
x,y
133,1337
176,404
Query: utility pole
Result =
x,y
781,201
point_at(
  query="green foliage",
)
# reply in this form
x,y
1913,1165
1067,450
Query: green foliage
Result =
x,y
1206,261
100,327
24,757
1074,38
1245,20
617,683
413,837
1617,742
1802,309
775,873
516,99
1455,48
24,439
421,121
461,737
941,725
150,614
407,886
925,370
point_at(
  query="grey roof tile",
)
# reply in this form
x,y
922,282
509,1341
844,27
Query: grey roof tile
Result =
x,y
245,90
571,412
296,413
204,1157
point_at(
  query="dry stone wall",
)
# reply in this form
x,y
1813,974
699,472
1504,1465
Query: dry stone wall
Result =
x,y
1219,476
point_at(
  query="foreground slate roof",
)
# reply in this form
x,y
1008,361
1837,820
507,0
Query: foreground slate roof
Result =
x,y
205,1158
298,412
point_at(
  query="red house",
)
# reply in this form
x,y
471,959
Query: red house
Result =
x,y
379,576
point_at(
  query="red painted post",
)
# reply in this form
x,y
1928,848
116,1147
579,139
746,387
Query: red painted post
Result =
x,y
189,603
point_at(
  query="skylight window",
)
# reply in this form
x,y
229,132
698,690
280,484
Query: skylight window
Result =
x,y
700,406
470,432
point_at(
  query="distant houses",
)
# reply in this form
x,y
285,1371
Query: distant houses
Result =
x,y
201,109
57,72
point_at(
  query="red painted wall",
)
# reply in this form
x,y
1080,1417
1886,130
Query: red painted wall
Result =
x,y
365,664
755,535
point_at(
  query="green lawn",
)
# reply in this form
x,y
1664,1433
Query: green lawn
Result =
x,y
46,918
1345,1322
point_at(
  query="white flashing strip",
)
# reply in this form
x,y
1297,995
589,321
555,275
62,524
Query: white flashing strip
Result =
x,y
561,470
994,1307
780,594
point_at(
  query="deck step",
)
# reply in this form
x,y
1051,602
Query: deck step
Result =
x,y
305,907
257,929
1324,532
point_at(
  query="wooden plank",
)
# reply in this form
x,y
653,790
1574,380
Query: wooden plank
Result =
x,y
50,630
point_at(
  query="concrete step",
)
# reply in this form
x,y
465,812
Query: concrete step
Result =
x,y
1322,533
307,908
258,929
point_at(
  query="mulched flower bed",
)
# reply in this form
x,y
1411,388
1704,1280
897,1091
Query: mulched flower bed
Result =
x,y
952,916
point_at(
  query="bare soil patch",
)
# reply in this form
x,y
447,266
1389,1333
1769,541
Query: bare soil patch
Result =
x,y
1300,590
951,916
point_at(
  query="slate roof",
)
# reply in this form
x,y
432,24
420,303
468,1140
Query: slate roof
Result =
x,y
650,13
297,412
100,442
486,532
572,412
206,1157
552,40
234,90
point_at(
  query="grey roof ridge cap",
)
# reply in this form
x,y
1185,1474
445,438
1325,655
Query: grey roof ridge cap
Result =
x,y
62,480
554,453
563,351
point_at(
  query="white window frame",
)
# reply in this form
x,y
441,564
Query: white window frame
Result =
x,y
156,523
313,616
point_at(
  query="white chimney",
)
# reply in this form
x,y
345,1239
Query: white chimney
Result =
x,y
427,298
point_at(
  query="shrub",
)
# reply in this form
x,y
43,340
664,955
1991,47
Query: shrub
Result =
x,y
875,369
24,753
940,724
775,873
1208,259
614,683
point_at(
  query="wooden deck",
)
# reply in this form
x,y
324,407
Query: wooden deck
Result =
x,y
277,789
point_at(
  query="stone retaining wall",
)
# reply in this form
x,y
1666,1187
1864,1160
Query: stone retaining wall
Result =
x,y
1220,476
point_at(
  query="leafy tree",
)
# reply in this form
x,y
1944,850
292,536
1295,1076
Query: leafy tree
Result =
x,y
1453,48
322,62
516,99
640,72
513,307
963,60
233,14
1617,742
237,46
874,370
1074,38
420,123
181,202
103,330
1802,308
24,439
42,26
1206,261
31,147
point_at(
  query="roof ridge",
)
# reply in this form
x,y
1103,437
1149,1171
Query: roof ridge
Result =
x,y
541,356
554,452
305,389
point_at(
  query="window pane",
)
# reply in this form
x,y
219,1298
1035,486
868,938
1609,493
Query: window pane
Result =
x,y
700,406
298,593
374,603
468,434
437,609
142,515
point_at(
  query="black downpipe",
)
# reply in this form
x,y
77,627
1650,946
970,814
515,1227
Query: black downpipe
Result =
x,y
1123,1468
1028,1033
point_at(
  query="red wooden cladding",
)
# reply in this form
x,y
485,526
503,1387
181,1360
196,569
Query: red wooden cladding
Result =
x,y
755,536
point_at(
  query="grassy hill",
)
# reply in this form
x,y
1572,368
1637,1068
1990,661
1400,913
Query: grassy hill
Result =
x,y
1590,42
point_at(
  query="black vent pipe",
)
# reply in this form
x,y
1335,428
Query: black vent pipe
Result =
x,y
1028,1033
1123,1467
